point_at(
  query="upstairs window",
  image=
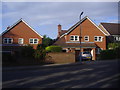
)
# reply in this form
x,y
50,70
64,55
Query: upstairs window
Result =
x,y
20,41
86,38
74,38
98,38
33,41
7,40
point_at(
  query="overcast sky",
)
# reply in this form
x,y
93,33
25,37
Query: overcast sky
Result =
x,y
45,16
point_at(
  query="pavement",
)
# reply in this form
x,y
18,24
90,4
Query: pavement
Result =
x,y
40,67
48,66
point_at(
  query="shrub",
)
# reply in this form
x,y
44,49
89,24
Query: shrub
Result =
x,y
107,54
53,49
113,45
40,52
117,52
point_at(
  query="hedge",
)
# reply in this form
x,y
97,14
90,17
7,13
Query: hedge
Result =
x,y
110,54
53,49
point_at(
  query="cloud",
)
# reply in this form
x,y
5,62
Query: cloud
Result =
x,y
50,14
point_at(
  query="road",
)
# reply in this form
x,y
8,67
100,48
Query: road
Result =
x,y
94,74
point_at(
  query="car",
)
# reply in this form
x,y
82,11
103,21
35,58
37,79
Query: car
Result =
x,y
86,55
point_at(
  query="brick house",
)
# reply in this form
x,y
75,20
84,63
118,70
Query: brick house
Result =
x,y
93,38
112,31
20,34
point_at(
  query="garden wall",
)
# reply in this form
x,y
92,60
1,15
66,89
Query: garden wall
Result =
x,y
61,57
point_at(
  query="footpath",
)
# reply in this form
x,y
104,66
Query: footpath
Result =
x,y
48,66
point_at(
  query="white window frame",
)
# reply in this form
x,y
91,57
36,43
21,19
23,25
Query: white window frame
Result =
x,y
33,40
74,38
98,39
8,40
86,38
21,41
117,38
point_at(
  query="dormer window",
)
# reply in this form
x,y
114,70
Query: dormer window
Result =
x,y
7,40
74,38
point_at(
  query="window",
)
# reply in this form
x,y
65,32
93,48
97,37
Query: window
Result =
x,y
117,38
74,38
20,40
98,38
7,40
86,38
33,41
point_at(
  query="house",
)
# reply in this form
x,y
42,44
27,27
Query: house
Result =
x,y
93,38
112,31
20,34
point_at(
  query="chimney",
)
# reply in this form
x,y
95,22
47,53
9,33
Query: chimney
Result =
x,y
59,30
8,27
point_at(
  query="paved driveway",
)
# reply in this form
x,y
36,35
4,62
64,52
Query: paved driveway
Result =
x,y
94,74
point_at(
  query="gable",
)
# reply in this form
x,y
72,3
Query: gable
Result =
x,y
20,28
77,26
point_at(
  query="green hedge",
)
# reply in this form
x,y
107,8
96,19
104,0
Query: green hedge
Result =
x,y
53,49
107,54
110,54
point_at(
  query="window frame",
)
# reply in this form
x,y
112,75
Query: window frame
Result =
x,y
74,39
98,38
117,38
22,41
87,38
33,41
7,40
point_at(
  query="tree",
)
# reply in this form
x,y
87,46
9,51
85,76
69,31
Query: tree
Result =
x,y
47,41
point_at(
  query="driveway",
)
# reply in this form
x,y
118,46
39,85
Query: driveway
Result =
x,y
92,74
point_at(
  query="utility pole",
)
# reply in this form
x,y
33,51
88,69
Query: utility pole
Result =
x,y
80,37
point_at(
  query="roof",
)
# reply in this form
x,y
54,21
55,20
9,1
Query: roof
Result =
x,y
78,23
112,28
61,42
20,20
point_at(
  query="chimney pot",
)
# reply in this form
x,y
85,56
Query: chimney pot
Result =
x,y
8,27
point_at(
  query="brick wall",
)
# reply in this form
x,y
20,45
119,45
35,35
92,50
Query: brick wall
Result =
x,y
61,57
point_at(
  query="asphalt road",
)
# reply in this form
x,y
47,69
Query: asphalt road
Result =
x,y
94,74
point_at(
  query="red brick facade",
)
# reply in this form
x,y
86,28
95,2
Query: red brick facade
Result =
x,y
21,30
89,29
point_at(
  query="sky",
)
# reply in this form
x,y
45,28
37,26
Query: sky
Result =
x,y
45,16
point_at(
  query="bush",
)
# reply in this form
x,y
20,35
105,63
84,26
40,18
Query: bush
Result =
x,y
107,54
117,52
40,53
53,49
27,51
113,45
